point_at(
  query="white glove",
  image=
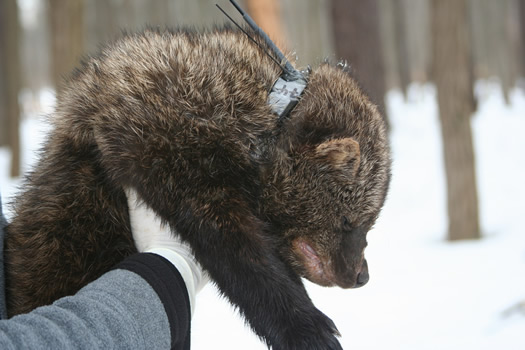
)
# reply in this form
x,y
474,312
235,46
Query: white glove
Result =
x,y
151,236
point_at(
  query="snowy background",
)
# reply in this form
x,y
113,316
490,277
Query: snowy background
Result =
x,y
424,293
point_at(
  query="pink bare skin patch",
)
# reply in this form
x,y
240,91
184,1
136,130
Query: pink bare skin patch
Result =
x,y
318,271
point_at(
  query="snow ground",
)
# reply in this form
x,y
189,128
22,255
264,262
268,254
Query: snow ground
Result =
x,y
424,292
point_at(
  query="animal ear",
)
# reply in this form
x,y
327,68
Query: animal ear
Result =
x,y
341,153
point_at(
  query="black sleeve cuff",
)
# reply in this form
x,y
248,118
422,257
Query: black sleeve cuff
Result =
x,y
167,282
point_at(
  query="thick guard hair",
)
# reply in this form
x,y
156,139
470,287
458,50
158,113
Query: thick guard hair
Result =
x,y
183,118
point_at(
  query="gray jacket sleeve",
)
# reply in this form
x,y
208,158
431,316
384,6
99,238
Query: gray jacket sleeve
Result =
x,y
142,304
103,315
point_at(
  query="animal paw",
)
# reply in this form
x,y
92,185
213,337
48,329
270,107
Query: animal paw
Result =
x,y
311,333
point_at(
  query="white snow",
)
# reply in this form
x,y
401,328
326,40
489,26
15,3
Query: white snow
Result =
x,y
424,292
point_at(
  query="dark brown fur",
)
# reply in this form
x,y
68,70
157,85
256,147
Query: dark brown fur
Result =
x,y
182,117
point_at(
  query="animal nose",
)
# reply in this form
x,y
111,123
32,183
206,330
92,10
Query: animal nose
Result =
x,y
362,277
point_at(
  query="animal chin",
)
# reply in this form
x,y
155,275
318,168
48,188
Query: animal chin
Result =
x,y
317,270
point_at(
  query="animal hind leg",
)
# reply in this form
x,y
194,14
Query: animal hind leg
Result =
x,y
70,226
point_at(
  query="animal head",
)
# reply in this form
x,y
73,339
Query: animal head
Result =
x,y
332,180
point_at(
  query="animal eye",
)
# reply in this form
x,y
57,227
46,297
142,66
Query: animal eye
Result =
x,y
346,224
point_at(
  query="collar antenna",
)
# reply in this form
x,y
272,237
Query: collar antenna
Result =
x,y
287,90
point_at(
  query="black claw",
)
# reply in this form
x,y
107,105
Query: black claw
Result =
x,y
331,325
336,332
334,329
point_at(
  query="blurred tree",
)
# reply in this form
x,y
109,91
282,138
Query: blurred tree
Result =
x,y
452,74
101,22
514,33
358,40
388,40
67,34
10,81
308,29
401,43
494,40
267,15
405,37
107,19
3,86
35,59
418,41
521,21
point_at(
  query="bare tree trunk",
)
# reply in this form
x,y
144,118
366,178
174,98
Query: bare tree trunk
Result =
x,y
514,42
35,52
307,24
521,9
3,86
451,71
11,77
267,14
402,44
101,23
389,45
417,32
358,40
67,37
492,41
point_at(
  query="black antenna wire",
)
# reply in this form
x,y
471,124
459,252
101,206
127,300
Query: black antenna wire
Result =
x,y
287,89
287,65
252,39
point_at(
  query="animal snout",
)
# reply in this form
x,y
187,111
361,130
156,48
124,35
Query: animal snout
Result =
x,y
362,277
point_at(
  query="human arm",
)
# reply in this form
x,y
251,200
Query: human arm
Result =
x,y
142,303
